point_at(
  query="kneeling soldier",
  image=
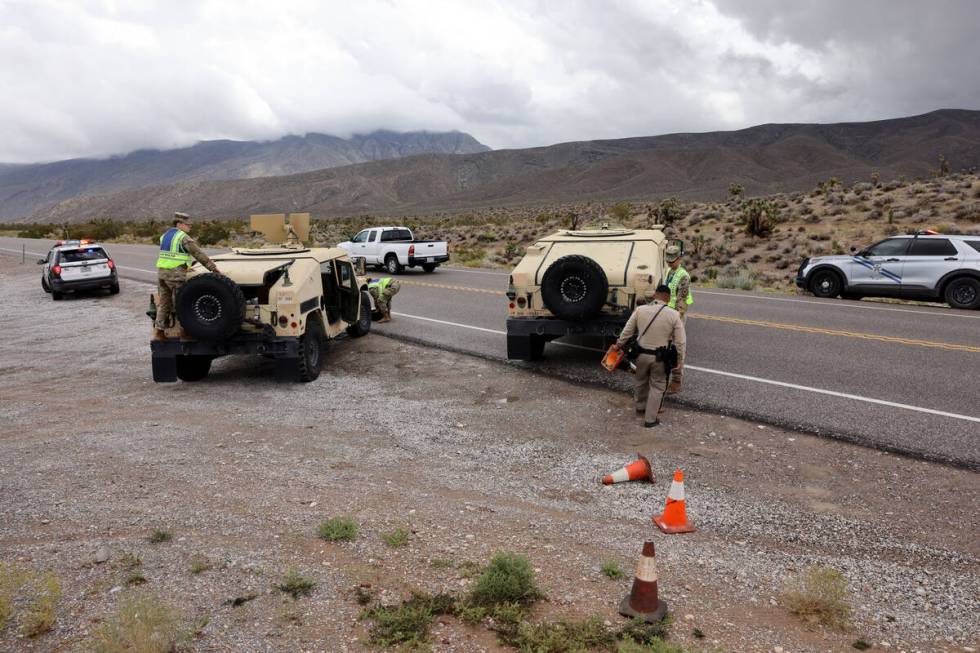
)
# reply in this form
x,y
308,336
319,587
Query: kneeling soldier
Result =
x,y
383,290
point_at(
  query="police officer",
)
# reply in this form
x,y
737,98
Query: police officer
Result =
x,y
658,325
679,282
177,249
383,290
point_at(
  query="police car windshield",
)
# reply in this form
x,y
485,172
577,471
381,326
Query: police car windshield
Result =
x,y
84,254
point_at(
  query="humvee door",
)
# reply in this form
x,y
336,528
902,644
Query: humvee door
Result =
x,y
350,294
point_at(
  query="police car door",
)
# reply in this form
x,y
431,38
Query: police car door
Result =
x,y
879,267
928,261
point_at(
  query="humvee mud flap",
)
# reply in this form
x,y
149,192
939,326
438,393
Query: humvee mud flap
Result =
x,y
526,337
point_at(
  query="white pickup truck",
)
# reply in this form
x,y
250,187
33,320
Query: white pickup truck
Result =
x,y
395,248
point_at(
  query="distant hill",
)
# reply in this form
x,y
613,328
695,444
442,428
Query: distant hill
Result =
x,y
27,188
764,159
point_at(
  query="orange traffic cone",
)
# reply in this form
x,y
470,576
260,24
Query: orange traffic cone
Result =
x,y
639,470
674,517
643,602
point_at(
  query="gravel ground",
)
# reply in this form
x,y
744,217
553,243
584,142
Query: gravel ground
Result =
x,y
471,455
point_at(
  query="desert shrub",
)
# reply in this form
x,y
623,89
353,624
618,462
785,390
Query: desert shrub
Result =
x,y
142,623
407,625
819,595
36,593
736,278
211,233
611,569
396,538
759,216
736,191
36,231
669,211
508,578
338,529
295,584
621,211
160,536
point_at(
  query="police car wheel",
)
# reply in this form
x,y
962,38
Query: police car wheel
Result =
x,y
574,288
825,283
210,307
363,325
963,293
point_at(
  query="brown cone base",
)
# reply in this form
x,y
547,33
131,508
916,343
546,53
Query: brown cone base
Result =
x,y
650,617
672,530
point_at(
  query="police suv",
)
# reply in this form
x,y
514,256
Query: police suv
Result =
x,y
74,265
925,265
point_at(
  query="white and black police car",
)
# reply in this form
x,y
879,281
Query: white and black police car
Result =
x,y
77,265
926,265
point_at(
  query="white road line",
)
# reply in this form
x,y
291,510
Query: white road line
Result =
x,y
931,313
495,274
744,377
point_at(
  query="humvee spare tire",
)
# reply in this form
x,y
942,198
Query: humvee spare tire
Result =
x,y
210,307
574,288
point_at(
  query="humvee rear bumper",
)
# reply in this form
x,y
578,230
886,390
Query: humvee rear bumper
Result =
x,y
526,336
164,353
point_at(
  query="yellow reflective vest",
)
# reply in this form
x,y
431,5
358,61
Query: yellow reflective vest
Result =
x,y
172,253
673,279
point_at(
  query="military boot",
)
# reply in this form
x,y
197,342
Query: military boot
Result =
x,y
385,318
674,387
159,334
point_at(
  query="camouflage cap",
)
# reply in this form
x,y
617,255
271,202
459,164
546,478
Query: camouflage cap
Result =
x,y
673,252
181,217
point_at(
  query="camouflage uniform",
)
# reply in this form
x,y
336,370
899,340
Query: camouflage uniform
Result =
x,y
169,281
382,298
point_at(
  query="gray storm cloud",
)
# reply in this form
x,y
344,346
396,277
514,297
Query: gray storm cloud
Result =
x,y
96,78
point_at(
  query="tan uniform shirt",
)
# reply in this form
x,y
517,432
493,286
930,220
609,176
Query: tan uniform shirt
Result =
x,y
666,329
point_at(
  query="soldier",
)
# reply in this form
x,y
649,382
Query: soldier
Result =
x,y
383,290
658,326
177,249
679,282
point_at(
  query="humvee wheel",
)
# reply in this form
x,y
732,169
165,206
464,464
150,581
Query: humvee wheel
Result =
x,y
193,368
210,307
574,288
310,354
392,265
363,325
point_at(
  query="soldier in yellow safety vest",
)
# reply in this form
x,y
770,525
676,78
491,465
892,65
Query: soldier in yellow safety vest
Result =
x,y
177,249
679,282
382,290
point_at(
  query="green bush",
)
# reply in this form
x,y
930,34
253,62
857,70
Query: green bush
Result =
x,y
211,233
408,624
143,624
338,529
295,584
819,595
508,578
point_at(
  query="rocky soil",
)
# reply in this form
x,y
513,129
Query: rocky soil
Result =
x,y
473,457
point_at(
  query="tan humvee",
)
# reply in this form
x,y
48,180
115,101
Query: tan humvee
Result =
x,y
582,282
283,301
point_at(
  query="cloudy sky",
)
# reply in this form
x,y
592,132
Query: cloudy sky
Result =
x,y
95,78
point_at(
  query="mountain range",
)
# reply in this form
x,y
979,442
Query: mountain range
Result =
x,y
763,159
27,188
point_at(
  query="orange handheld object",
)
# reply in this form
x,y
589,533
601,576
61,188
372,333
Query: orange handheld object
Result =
x,y
612,358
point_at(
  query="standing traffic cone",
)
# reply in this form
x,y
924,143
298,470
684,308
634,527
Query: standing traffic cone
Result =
x,y
643,601
674,517
639,470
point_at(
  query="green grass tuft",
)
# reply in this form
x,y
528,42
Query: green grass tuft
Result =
x,y
819,595
159,536
441,563
861,645
295,584
611,569
135,578
396,538
338,529
143,624
562,636
469,569
200,564
508,578
408,624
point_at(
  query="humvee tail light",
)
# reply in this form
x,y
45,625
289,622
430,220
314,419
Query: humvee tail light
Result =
x,y
283,320
512,304
521,301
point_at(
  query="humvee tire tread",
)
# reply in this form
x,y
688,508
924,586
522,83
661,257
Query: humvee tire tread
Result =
x,y
574,288
220,298
363,325
310,361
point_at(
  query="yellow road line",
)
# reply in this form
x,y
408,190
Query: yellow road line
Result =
x,y
448,287
836,332
761,323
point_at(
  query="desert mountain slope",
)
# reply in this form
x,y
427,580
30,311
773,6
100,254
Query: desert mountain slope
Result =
x,y
27,188
764,159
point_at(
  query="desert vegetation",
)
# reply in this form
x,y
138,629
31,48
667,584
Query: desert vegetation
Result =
x,y
741,242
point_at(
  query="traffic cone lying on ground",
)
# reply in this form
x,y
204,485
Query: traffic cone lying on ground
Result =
x,y
643,602
639,470
674,517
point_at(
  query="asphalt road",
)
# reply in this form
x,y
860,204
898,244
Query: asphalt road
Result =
x,y
899,378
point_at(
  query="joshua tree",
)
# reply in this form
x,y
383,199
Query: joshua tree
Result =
x,y
760,217
943,166
735,191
